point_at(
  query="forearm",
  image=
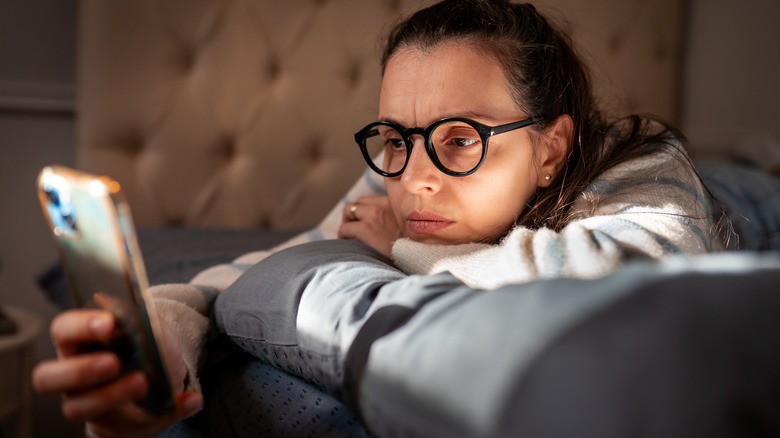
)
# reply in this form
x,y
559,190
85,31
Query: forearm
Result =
x,y
649,208
302,309
588,248
187,307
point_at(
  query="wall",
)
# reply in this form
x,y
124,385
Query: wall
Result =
x,y
36,128
732,74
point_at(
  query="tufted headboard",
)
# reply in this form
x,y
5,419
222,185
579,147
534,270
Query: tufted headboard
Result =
x,y
240,113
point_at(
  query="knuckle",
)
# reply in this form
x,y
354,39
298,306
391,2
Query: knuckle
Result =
x,y
38,378
371,212
70,412
56,326
82,375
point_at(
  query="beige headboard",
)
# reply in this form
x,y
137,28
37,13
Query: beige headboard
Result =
x,y
240,113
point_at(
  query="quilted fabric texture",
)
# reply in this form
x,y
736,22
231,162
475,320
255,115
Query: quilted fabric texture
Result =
x,y
240,113
250,398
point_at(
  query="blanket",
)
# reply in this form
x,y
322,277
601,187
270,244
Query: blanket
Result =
x,y
679,348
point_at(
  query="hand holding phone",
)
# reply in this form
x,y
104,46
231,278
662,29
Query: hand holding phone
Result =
x,y
92,388
95,237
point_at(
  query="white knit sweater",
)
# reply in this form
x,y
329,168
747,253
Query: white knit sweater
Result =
x,y
645,208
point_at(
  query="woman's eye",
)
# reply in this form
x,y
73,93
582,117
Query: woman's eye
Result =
x,y
395,143
456,136
463,142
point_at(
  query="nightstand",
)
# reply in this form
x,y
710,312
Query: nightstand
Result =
x,y
15,367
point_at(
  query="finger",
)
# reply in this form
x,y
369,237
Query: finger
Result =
x,y
188,403
356,228
350,212
132,421
364,232
348,230
76,373
100,401
345,213
379,201
366,223
72,329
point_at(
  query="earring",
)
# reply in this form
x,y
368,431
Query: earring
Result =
x,y
547,177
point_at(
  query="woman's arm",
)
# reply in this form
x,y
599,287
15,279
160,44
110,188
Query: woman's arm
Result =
x,y
88,381
187,307
648,207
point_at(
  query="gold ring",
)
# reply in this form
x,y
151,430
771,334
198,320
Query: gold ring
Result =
x,y
352,209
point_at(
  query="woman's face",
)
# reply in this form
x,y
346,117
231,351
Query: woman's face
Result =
x,y
456,80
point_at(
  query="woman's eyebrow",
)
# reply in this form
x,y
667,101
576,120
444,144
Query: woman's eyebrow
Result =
x,y
390,120
474,115
463,114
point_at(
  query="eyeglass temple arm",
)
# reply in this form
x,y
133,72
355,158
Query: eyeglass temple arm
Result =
x,y
500,129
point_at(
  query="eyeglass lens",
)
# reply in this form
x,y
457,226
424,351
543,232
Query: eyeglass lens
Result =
x,y
457,145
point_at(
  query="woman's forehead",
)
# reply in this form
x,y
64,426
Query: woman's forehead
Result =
x,y
450,79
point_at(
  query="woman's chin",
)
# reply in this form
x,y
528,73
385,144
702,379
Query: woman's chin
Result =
x,y
450,239
432,239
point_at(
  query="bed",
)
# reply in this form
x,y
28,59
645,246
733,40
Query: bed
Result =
x,y
228,124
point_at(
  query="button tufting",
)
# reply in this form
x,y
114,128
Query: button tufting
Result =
x,y
313,153
660,51
133,145
273,70
234,70
393,6
353,75
615,42
174,222
225,149
186,60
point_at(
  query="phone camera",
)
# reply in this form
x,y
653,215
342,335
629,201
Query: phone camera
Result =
x,y
60,212
52,196
70,222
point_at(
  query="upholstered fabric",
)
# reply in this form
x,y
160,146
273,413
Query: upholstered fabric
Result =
x,y
240,113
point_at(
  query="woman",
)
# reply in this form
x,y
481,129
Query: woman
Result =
x,y
554,184
558,192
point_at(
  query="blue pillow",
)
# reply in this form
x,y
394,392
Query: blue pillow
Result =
x,y
752,201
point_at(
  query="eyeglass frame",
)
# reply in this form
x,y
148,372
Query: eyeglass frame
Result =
x,y
484,131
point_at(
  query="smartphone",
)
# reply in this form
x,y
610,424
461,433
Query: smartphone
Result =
x,y
93,230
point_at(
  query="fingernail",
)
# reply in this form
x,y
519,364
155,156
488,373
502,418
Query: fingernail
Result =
x,y
100,326
104,365
192,404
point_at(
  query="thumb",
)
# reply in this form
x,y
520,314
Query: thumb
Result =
x,y
188,403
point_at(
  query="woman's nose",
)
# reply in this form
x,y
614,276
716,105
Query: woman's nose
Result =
x,y
421,175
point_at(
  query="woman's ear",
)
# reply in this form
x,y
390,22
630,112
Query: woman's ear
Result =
x,y
555,148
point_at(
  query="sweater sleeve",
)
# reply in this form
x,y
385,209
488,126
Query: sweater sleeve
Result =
x,y
647,207
187,307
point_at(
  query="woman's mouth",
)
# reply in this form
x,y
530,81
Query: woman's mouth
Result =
x,y
426,223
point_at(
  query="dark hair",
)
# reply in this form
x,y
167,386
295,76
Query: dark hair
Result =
x,y
548,79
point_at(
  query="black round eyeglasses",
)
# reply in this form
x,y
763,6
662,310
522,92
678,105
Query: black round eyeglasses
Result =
x,y
456,145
